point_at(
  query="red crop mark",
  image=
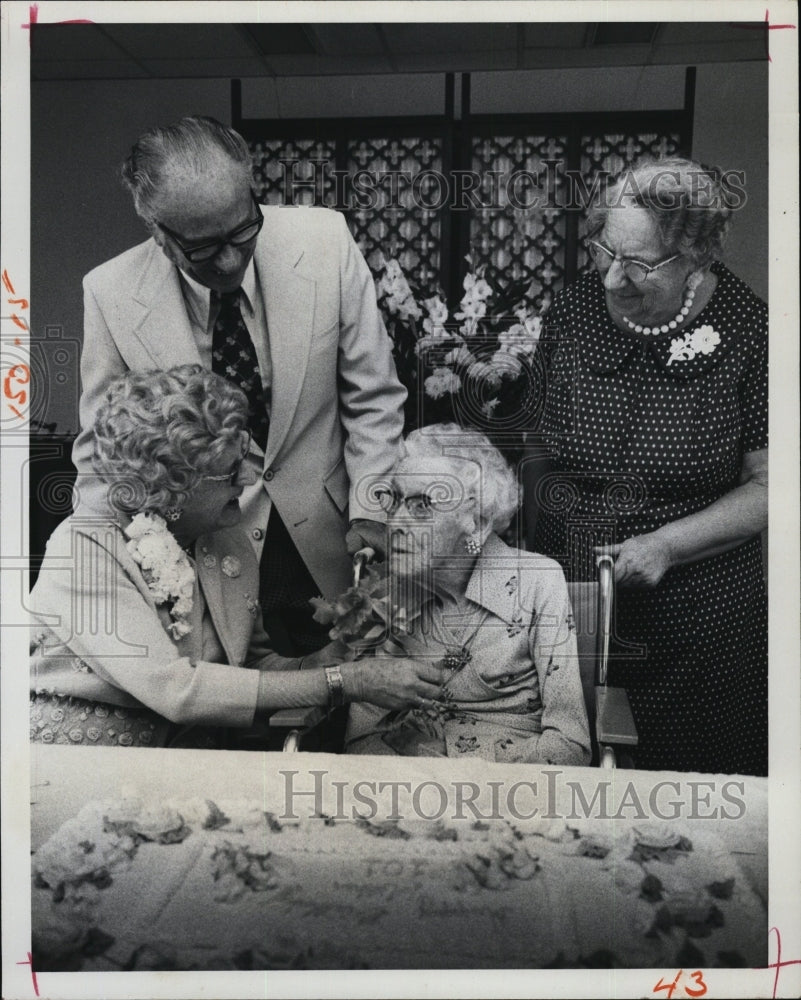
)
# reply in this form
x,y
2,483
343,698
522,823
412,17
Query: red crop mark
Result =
x,y
29,961
33,18
766,27
779,964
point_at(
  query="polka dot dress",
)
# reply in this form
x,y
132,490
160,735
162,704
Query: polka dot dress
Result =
x,y
647,431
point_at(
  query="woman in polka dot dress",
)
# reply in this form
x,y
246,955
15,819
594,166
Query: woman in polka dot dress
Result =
x,y
656,423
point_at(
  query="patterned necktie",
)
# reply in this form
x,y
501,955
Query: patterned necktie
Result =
x,y
234,357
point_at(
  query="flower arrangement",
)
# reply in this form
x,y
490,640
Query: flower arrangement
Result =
x,y
364,618
478,368
165,566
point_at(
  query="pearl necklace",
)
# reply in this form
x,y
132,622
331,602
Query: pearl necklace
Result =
x,y
678,319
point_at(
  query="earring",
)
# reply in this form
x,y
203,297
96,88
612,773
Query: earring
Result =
x,y
472,545
173,513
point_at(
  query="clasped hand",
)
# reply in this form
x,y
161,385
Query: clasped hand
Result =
x,y
398,682
640,561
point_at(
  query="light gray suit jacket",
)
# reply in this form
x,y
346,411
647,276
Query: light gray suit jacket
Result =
x,y
100,635
337,415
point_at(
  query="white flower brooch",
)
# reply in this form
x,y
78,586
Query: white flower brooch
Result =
x,y
703,340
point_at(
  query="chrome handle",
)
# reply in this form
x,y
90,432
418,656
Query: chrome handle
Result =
x,y
606,585
360,560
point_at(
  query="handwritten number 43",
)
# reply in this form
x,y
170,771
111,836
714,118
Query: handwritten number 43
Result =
x,y
697,977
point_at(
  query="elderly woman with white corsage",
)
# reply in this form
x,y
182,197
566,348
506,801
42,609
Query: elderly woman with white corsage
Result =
x,y
498,620
656,424
148,625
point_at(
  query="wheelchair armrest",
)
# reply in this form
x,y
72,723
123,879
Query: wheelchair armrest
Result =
x,y
614,723
295,718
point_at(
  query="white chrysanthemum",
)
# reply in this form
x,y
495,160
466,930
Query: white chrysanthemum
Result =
x,y
442,381
519,339
142,524
165,567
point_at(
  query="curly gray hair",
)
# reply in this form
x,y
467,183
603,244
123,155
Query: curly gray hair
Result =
x,y
692,204
157,433
500,493
189,144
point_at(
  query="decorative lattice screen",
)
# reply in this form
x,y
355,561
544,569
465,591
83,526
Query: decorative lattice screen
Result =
x,y
393,196
293,171
522,231
401,176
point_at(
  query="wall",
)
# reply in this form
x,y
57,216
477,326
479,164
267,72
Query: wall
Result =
x,y
82,130
81,215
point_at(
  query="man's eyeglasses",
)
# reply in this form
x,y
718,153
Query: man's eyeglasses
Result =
x,y
635,270
232,476
419,505
236,238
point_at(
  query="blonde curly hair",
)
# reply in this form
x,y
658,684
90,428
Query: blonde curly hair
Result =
x,y
500,493
157,433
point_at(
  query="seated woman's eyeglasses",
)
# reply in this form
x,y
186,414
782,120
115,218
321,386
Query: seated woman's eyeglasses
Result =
x,y
236,238
419,505
635,270
232,476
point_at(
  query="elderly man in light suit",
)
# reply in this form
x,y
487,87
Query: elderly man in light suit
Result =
x,y
326,403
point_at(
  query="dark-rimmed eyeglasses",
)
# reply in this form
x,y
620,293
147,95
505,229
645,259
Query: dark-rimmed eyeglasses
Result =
x,y
232,476
236,238
635,270
419,505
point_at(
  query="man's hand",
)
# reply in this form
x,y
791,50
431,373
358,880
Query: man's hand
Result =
x,y
640,561
367,534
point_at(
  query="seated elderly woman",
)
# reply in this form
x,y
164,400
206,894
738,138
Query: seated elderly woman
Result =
x,y
149,630
496,618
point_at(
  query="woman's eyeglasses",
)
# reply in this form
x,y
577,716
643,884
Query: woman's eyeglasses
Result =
x,y
232,476
236,238
635,270
420,506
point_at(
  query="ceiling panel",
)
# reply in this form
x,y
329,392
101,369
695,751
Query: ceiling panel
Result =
x,y
560,36
348,40
449,38
82,69
118,51
682,33
202,68
189,41
72,41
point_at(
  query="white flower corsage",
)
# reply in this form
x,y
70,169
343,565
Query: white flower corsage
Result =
x,y
703,340
165,566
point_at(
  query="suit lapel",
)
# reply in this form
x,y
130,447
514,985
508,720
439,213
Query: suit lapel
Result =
x,y
289,300
164,329
234,635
